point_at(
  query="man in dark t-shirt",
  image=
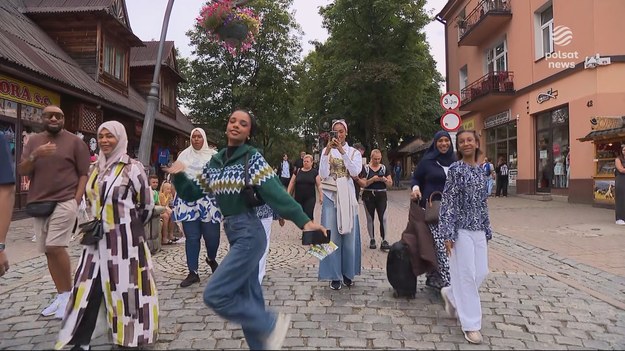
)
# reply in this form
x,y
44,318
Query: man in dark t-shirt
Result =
x,y
374,179
7,199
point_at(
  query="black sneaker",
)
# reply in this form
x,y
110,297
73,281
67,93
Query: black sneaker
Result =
x,y
80,348
192,278
212,264
335,285
348,282
372,244
385,246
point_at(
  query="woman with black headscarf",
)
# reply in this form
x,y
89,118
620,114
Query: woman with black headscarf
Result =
x,y
429,177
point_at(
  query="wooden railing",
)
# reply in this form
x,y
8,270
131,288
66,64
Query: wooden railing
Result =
x,y
483,7
492,82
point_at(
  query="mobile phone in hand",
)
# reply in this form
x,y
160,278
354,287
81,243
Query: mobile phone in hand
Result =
x,y
315,237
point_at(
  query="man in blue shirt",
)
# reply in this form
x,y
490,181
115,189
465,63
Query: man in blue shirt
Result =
x,y
7,199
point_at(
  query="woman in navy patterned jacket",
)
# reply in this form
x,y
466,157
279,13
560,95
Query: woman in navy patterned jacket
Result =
x,y
465,226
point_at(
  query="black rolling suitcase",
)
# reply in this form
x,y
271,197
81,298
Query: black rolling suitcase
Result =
x,y
399,271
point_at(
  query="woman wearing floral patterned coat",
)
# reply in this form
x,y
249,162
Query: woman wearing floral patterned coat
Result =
x,y
117,270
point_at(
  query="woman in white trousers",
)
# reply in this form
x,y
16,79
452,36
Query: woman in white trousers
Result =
x,y
465,226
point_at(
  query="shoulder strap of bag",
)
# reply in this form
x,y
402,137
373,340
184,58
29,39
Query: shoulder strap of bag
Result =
x,y
118,171
246,175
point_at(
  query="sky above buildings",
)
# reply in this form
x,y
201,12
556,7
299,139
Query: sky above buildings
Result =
x,y
146,19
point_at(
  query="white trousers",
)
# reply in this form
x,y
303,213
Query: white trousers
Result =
x,y
468,267
263,261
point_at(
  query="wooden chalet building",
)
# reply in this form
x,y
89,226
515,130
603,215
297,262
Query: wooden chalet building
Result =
x,y
83,56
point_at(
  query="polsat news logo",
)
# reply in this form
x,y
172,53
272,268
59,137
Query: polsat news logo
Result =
x,y
561,37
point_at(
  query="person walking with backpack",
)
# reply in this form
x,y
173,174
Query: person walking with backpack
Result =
x,y
502,177
374,179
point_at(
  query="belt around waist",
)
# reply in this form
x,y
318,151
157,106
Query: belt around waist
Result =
x,y
373,189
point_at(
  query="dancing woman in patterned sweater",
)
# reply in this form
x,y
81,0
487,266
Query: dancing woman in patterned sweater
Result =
x,y
234,291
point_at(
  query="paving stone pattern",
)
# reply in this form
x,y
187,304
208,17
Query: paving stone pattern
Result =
x,y
525,305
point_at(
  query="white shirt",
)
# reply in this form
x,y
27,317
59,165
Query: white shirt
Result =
x,y
285,170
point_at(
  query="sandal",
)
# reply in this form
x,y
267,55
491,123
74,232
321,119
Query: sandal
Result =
x,y
170,242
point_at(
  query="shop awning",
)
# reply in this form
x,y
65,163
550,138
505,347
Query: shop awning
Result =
x,y
605,134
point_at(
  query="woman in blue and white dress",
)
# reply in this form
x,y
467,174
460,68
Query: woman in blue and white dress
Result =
x,y
465,226
201,218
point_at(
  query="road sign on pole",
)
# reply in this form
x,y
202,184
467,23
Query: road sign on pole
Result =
x,y
450,101
451,121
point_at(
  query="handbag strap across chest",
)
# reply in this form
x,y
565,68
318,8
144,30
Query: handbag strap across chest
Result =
x,y
118,170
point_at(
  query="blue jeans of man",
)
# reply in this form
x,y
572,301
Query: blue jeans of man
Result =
x,y
194,232
233,291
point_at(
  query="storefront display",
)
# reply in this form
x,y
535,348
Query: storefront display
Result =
x,y
552,149
501,141
608,135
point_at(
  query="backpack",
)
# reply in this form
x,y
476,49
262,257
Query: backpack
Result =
x,y
382,170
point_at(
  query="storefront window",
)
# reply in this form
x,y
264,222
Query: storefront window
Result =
x,y
502,143
553,149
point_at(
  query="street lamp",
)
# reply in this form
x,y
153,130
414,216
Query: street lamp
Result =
x,y
153,96
152,105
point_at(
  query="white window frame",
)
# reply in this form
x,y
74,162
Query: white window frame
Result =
x,y
539,28
493,50
463,77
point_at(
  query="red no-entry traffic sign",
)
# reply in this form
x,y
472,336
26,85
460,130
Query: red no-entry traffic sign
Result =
x,y
451,121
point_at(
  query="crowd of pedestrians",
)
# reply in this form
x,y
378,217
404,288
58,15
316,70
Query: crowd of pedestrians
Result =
x,y
235,187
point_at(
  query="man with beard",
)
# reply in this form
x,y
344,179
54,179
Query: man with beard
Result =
x,y
57,163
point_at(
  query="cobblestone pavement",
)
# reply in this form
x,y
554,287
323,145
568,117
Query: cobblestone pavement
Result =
x,y
534,298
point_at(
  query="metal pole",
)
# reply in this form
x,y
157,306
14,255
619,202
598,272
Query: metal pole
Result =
x,y
152,105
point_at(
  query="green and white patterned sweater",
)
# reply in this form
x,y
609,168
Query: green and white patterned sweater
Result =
x,y
224,178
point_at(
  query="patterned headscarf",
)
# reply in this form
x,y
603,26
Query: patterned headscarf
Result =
x,y
119,132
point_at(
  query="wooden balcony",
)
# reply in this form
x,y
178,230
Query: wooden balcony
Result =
x,y
491,89
483,22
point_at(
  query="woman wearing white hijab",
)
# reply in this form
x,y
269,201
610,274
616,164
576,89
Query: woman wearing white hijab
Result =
x,y
201,218
118,269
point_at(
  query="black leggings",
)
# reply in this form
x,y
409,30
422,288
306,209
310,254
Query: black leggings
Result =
x,y
375,201
308,205
87,323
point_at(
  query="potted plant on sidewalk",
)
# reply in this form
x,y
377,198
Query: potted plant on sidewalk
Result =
x,y
233,27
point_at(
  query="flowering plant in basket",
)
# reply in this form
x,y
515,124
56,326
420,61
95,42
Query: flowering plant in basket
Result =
x,y
235,28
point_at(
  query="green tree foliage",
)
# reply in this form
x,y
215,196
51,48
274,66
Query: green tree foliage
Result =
x,y
375,70
261,79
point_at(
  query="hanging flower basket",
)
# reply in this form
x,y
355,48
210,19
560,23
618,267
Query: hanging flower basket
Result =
x,y
235,28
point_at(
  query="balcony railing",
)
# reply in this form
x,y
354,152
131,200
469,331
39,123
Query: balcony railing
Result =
x,y
493,83
488,14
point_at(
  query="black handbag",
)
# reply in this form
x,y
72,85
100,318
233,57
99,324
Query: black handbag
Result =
x,y
92,231
250,191
40,209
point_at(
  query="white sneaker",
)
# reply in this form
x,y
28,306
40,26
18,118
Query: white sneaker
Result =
x,y
34,238
276,338
473,337
63,300
51,309
449,307
620,222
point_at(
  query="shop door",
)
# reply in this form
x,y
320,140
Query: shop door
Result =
x,y
544,162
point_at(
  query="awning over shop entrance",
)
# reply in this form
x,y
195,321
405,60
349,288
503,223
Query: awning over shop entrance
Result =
x,y
604,128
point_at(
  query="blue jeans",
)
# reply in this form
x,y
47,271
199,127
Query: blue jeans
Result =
x,y
345,261
233,291
194,232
